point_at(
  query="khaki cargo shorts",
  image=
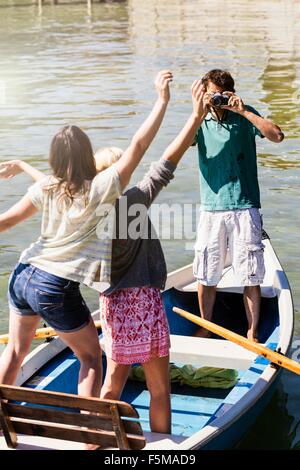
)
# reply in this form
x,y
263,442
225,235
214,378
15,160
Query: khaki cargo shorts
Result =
x,y
236,231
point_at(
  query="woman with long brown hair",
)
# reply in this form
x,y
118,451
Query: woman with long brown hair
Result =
x,y
75,202
134,323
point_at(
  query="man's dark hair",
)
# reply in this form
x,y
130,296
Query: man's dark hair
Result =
x,y
221,78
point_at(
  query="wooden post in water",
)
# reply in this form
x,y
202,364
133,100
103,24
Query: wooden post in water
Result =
x,y
40,2
55,2
89,7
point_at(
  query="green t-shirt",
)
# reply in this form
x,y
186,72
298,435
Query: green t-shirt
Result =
x,y
227,161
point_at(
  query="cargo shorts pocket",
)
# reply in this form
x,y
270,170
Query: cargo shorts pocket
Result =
x,y
256,222
200,264
256,265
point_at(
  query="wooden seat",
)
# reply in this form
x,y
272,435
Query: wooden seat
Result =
x,y
207,352
74,418
210,352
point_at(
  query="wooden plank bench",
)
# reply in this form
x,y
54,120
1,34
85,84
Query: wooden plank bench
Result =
x,y
94,421
210,352
207,352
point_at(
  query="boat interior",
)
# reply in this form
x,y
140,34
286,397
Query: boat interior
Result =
x,y
192,407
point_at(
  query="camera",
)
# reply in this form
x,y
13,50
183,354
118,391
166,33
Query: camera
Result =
x,y
218,100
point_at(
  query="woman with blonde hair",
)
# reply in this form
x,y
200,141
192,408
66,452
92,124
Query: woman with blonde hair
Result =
x,y
107,156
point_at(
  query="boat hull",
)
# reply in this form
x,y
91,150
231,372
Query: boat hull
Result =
x,y
233,434
238,411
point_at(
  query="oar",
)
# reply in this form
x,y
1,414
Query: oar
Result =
x,y
41,333
272,356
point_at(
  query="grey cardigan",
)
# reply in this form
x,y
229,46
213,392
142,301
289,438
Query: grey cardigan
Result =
x,y
139,262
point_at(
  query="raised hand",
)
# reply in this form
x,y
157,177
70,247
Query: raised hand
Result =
x,y
200,99
162,80
10,169
147,131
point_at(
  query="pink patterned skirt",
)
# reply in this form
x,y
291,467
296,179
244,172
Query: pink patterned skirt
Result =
x,y
134,324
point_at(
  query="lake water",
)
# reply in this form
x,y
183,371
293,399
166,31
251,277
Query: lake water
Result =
x,y
65,64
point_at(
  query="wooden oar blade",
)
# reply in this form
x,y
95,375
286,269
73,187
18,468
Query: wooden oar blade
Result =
x,y
272,356
41,333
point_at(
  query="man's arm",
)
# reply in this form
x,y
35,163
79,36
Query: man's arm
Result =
x,y
14,167
146,133
20,211
268,129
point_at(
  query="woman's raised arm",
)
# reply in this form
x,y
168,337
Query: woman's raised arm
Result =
x,y
23,209
12,168
182,142
148,130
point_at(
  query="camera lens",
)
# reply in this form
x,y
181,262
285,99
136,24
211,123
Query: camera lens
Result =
x,y
217,100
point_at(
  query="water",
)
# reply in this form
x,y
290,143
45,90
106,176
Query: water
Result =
x,y
64,65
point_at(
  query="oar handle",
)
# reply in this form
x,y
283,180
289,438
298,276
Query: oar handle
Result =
x,y
259,349
41,333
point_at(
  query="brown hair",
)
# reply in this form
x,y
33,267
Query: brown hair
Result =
x,y
221,78
72,161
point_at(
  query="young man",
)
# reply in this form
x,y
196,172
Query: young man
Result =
x,y
230,199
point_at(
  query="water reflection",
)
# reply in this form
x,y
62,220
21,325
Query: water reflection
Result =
x,y
276,161
278,427
97,71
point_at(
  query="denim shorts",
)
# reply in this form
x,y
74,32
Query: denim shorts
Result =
x,y
58,301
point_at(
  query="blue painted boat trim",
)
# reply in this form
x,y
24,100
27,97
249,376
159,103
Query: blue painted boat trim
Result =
x,y
231,436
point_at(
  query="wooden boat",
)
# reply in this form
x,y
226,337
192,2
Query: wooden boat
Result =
x,y
203,417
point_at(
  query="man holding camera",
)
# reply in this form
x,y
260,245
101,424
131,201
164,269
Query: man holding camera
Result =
x,y
230,199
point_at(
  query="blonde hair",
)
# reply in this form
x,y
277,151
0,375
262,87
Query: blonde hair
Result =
x,y
107,156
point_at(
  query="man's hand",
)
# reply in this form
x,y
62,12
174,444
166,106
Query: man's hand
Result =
x,y
200,99
10,169
162,80
235,103
267,128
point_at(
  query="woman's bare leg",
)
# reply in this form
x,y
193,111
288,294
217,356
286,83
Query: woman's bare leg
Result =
x,y
85,345
21,333
115,380
158,383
